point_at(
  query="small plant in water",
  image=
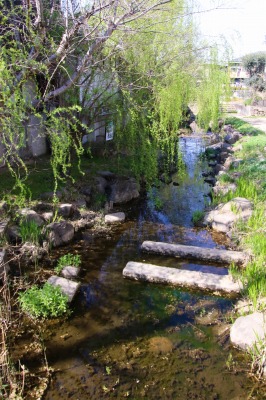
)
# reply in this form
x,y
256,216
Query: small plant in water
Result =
x,y
68,259
48,301
197,216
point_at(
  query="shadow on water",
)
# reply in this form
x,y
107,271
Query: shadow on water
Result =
x,y
127,339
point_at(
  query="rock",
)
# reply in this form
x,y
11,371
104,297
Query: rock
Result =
x,y
180,277
70,272
160,345
210,179
86,190
13,234
212,163
218,168
124,190
106,174
48,216
68,287
60,233
66,210
176,183
31,252
194,252
232,137
248,330
101,184
236,163
3,227
31,215
223,217
4,267
114,218
228,128
227,164
223,189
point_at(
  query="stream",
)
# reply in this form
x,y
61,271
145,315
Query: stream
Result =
x,y
127,339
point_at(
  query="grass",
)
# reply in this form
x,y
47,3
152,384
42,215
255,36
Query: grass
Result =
x,y
30,232
242,126
251,234
197,216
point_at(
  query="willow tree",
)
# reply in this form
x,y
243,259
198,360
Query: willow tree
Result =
x,y
212,89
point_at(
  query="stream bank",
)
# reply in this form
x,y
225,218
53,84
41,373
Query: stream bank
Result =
x,y
128,339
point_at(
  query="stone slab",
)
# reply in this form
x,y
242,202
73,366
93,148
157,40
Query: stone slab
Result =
x,y
248,330
179,277
68,287
114,218
194,252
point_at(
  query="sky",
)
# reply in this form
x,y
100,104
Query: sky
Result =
x,y
241,22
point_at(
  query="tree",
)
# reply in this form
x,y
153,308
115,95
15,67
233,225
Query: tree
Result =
x,y
255,64
134,57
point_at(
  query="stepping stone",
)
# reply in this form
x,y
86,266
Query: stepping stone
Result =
x,y
249,330
70,272
194,252
114,218
68,287
179,277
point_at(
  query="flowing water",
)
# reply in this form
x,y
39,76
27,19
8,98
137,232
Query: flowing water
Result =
x,y
127,339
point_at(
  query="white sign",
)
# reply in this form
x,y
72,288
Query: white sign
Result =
x,y
109,131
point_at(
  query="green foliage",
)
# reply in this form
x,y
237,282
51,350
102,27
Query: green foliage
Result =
x,y
68,259
226,178
48,301
212,86
30,231
255,63
197,216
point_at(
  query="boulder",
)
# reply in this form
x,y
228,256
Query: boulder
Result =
x,y
31,253
223,189
31,215
248,330
101,184
48,216
66,210
60,233
13,234
232,137
114,218
124,190
223,217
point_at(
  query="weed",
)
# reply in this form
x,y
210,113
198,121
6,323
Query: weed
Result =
x,y
68,259
197,216
30,231
108,370
230,363
48,301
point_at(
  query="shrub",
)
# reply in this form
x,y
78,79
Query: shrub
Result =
x,y
48,301
68,259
